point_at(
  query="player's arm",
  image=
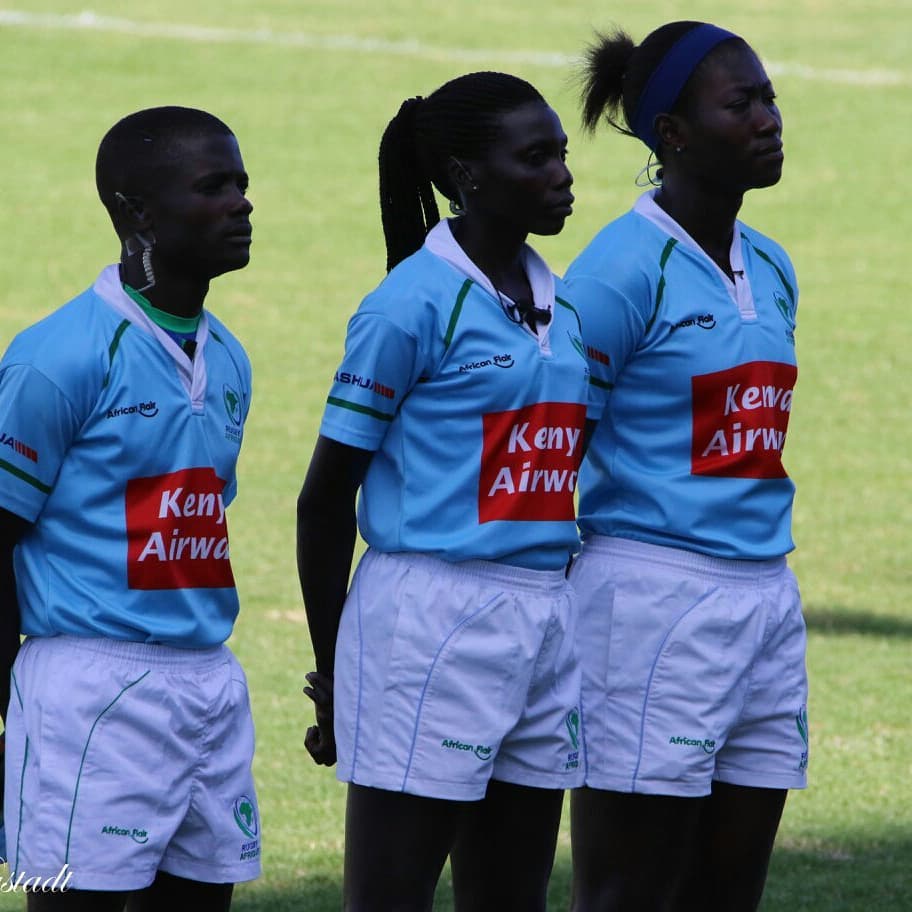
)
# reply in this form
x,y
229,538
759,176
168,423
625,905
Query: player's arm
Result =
x,y
12,528
326,532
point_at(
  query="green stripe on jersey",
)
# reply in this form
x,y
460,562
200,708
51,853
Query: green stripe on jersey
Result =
x,y
24,476
601,384
785,282
112,348
571,308
660,291
457,310
363,409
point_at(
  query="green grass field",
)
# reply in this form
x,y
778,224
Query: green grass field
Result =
x,y
308,87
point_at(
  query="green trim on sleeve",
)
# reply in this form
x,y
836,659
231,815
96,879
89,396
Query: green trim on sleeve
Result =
x,y
457,310
24,476
601,384
355,407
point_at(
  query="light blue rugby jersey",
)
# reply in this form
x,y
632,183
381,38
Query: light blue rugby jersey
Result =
x,y
124,451
692,379
476,421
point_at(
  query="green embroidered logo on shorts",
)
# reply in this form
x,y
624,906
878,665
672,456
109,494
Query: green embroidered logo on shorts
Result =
x,y
137,834
707,744
245,816
572,721
801,720
573,727
480,750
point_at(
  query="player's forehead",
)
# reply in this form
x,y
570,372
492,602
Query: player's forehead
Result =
x,y
192,157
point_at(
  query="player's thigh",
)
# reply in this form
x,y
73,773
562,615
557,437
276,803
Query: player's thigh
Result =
x,y
732,849
395,848
629,851
505,852
178,893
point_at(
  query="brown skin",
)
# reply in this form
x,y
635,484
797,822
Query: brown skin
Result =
x,y
655,853
397,844
730,139
199,216
523,187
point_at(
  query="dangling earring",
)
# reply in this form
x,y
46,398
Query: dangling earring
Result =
x,y
650,175
456,207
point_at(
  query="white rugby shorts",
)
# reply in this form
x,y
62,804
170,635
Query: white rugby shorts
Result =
x,y
693,670
123,759
450,674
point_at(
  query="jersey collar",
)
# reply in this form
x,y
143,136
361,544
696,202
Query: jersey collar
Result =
x,y
739,290
440,241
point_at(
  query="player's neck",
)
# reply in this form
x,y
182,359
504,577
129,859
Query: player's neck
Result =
x,y
178,295
708,218
496,252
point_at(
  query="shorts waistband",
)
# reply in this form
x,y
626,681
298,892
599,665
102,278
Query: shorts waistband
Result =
x,y
480,570
154,654
704,565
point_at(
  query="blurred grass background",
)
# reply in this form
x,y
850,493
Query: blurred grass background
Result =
x,y
308,88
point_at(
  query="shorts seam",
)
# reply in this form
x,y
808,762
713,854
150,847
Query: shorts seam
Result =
x,y
648,690
85,750
427,680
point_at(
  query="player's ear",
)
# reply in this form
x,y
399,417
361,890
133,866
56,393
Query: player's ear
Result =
x,y
669,129
132,212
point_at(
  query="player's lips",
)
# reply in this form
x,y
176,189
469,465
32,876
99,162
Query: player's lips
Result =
x,y
774,150
243,234
564,206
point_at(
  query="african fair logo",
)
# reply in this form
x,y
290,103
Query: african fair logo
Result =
x,y
572,721
137,834
529,462
245,816
801,720
704,321
707,745
503,361
145,409
481,751
740,418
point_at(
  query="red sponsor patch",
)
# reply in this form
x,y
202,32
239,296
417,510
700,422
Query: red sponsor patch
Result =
x,y
23,449
177,534
529,462
740,418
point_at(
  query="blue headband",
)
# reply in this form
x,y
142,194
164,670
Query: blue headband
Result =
x,y
668,79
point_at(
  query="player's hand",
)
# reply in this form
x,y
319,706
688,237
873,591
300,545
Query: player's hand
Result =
x,y
320,740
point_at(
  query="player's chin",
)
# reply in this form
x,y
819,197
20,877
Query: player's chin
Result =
x,y
237,260
768,176
550,224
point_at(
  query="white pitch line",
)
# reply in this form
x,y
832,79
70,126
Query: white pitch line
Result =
x,y
92,22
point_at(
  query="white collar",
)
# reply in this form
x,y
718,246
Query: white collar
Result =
x,y
192,372
440,241
739,290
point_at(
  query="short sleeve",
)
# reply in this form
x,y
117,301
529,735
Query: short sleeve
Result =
x,y
37,428
382,362
612,329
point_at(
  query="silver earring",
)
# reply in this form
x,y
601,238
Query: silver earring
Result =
x,y
678,149
650,175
